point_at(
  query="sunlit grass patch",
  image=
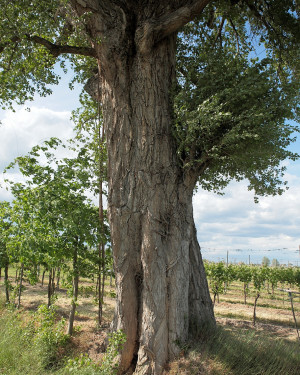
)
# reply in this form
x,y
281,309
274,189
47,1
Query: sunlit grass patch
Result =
x,y
238,352
17,354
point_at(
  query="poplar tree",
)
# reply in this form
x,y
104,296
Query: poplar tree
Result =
x,y
208,114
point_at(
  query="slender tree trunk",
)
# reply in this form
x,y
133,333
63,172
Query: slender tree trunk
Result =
x,y
75,292
6,282
43,277
0,273
160,279
58,278
50,286
254,311
53,281
97,286
101,276
20,285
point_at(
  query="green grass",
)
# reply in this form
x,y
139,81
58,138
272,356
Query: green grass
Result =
x,y
17,355
241,352
35,344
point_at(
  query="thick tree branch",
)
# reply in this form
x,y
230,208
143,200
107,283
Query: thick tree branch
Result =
x,y
106,9
154,30
84,6
219,32
236,35
262,18
58,49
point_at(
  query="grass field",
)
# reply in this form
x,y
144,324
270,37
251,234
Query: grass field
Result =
x,y
235,348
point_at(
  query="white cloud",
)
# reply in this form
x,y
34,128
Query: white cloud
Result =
x,y
234,221
21,130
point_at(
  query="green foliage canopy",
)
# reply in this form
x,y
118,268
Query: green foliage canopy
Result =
x,y
235,111
52,215
231,108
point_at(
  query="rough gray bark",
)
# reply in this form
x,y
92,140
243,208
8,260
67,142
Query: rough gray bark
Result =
x,y
162,290
161,284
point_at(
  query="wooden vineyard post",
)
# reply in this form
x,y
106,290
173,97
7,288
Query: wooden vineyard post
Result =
x,y
290,293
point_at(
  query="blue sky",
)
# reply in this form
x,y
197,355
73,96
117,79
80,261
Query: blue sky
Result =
x,y
232,222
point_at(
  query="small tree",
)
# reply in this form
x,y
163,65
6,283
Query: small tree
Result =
x,y
5,224
217,275
274,277
265,261
244,274
258,277
275,263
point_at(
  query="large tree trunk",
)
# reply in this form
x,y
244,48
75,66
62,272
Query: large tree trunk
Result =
x,y
161,284
162,290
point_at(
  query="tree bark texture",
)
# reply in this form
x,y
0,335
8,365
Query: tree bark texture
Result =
x,y
161,284
162,292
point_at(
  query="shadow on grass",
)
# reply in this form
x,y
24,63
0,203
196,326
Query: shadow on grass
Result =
x,y
241,352
33,305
